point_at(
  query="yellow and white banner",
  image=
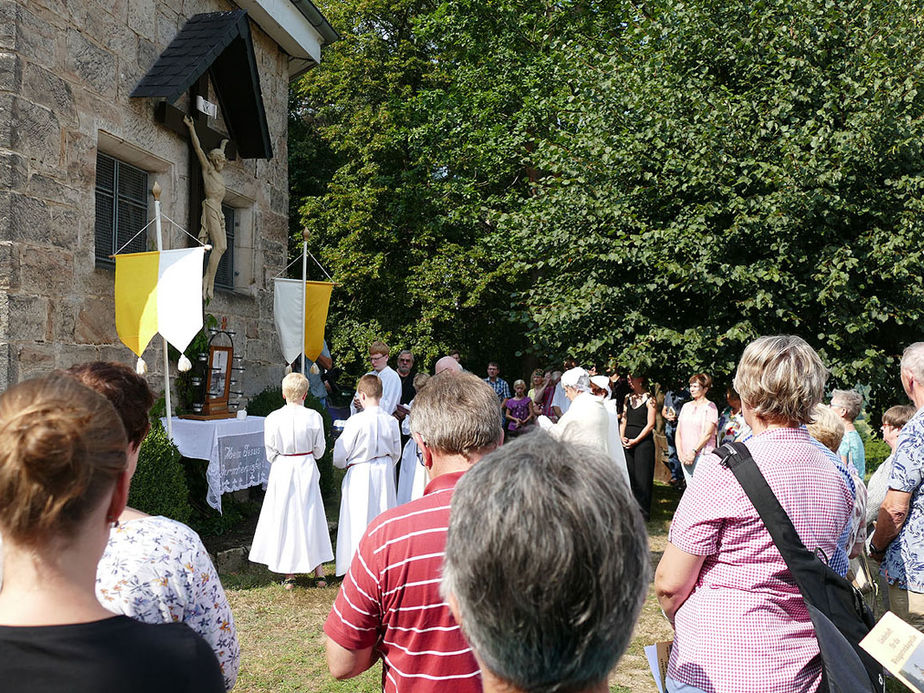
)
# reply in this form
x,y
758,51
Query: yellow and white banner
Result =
x,y
159,292
288,302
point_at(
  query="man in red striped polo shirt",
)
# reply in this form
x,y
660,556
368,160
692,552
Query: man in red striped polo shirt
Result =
x,y
389,605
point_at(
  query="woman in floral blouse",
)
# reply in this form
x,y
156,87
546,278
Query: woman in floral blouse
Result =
x,y
154,569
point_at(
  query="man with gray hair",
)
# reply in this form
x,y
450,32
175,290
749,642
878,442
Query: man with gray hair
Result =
x,y
898,542
546,566
389,604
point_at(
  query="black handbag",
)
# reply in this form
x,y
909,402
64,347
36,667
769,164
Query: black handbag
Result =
x,y
840,616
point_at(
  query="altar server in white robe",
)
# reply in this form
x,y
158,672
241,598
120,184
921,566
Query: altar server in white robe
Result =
x,y
391,381
368,449
292,535
600,388
586,420
413,477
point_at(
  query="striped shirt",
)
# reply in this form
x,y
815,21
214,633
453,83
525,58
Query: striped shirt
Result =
x,y
390,599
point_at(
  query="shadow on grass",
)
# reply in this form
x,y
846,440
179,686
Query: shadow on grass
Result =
x,y
663,504
254,576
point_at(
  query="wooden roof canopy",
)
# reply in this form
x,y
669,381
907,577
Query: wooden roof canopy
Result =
x,y
220,44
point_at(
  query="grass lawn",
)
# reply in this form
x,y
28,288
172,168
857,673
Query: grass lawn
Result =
x,y
282,641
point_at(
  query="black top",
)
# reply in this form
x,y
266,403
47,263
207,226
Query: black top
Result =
x,y
110,656
636,417
407,388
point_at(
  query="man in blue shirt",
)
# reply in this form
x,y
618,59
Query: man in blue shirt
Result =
x,y
673,402
898,541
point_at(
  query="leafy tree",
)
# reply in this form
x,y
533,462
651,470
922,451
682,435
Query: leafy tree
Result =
x,y
428,112
724,170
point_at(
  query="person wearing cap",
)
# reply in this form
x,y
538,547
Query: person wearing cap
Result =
x,y
600,388
586,420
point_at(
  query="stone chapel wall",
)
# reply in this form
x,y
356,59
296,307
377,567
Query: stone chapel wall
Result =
x,y
66,72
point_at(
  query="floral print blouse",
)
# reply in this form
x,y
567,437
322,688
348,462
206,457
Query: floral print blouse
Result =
x,y
156,570
903,565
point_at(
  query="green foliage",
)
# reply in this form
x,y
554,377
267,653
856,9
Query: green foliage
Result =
x,y
420,122
159,485
656,184
724,171
267,401
271,399
877,450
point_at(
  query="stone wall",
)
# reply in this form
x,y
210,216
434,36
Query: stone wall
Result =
x,y
66,71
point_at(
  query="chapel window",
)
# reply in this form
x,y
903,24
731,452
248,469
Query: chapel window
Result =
x,y
121,209
224,277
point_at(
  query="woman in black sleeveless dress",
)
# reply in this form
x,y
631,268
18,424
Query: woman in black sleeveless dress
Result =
x,y
637,431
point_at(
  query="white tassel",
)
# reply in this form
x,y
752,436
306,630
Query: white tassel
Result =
x,y
183,364
141,367
314,370
288,369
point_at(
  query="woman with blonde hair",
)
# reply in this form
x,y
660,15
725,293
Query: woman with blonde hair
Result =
x,y
721,579
291,535
63,484
827,428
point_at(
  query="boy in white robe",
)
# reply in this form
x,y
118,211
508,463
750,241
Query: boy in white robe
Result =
x,y
368,449
292,535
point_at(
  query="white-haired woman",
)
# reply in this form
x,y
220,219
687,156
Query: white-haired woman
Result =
x,y
721,579
847,405
586,420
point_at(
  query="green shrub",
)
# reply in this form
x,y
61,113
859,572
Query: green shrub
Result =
x,y
877,450
266,402
159,485
270,400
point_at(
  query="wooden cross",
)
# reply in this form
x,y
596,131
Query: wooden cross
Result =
x,y
171,118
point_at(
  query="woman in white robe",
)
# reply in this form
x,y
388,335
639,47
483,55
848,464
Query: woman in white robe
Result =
x,y
368,449
600,386
292,535
586,420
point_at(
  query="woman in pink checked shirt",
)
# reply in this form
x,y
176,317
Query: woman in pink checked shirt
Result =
x,y
740,624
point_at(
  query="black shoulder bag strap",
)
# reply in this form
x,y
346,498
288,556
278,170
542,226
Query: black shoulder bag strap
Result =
x,y
838,612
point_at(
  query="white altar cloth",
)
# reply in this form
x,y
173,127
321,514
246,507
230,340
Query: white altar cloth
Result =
x,y
233,448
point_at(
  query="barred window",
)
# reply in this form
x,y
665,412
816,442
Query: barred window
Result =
x,y
121,208
224,277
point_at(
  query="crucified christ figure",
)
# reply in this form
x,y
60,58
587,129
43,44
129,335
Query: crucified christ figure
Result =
x,y
213,220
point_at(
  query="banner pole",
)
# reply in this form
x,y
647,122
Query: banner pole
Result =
x,y
304,292
160,246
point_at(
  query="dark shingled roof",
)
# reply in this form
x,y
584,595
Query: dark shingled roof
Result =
x,y
219,43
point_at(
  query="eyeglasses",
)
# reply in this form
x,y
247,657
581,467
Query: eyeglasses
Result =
x,y
375,358
420,456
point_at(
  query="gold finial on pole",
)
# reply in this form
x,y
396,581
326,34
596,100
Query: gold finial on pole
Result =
x,y
155,191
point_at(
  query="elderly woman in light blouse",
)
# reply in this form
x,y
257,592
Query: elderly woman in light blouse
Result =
x,y
740,623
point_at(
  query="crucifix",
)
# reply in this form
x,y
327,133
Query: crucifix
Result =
x,y
209,150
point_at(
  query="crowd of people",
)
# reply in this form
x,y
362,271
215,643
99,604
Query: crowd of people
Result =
x,y
488,538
